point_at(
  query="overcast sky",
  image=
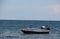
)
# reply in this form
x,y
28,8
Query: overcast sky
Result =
x,y
30,9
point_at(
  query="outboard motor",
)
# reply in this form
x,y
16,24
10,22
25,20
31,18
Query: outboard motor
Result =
x,y
48,28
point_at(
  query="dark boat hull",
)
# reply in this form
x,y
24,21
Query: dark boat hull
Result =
x,y
33,32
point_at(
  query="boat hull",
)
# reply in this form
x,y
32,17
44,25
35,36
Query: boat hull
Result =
x,y
33,32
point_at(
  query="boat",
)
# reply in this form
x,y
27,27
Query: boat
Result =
x,y
42,30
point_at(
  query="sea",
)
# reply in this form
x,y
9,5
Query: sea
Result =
x,y
10,29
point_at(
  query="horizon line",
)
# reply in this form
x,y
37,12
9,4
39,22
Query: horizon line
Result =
x,y
30,19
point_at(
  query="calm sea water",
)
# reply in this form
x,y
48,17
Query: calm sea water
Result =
x,y
10,29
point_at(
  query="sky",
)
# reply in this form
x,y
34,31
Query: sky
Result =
x,y
30,9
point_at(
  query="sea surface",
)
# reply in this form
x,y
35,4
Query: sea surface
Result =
x,y
10,29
